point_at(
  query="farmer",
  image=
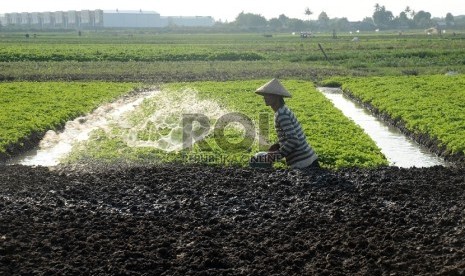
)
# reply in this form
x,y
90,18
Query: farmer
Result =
x,y
292,143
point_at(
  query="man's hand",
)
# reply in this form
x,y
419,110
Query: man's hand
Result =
x,y
274,147
272,156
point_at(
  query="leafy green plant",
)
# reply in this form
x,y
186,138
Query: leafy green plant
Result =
x,y
336,139
31,108
432,105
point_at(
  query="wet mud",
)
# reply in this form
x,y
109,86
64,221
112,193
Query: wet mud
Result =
x,y
192,220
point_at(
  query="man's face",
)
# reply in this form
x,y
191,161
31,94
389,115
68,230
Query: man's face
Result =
x,y
269,99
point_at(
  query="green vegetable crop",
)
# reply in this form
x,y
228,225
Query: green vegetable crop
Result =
x,y
432,105
31,108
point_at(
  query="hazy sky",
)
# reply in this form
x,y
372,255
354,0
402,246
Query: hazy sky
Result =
x,y
228,10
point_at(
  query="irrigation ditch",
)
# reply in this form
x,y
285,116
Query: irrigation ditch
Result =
x,y
399,149
57,144
432,144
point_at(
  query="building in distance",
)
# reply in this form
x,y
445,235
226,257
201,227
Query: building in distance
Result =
x,y
92,19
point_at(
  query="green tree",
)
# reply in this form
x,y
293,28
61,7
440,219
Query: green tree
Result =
x,y
323,17
323,20
296,25
422,19
382,18
403,20
450,19
367,24
340,24
407,10
308,12
251,21
284,20
275,24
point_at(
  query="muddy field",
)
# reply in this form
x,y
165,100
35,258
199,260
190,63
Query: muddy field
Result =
x,y
205,220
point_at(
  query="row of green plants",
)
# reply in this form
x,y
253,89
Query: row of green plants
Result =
x,y
337,140
32,108
128,52
432,105
367,52
173,59
161,72
256,38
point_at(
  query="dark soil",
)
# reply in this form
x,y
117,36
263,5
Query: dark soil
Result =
x,y
204,220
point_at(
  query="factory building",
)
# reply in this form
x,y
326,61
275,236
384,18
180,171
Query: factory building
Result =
x,y
100,19
131,19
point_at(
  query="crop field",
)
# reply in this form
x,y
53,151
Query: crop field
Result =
x,y
152,57
431,105
337,140
29,109
140,197
220,67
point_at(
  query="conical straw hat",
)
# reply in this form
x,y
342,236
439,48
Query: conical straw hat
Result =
x,y
273,87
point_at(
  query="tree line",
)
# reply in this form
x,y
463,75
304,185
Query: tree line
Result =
x,y
382,19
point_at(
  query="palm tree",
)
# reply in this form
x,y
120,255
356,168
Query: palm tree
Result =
x,y
407,10
308,12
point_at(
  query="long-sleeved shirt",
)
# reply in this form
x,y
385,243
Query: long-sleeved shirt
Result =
x,y
292,141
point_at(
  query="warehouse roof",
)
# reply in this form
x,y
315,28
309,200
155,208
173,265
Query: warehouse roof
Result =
x,y
130,11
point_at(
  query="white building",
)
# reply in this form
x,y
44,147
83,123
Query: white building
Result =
x,y
36,18
73,19
105,19
59,18
24,18
98,17
131,19
86,17
48,19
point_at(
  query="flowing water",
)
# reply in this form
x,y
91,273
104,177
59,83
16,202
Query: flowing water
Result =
x,y
56,145
399,150
162,118
158,116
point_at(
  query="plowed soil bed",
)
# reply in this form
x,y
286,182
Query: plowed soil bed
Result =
x,y
203,220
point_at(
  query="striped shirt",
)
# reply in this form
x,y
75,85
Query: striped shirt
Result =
x,y
292,141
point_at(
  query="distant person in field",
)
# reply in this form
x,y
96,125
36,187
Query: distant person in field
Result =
x,y
292,143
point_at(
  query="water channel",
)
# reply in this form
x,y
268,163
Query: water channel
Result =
x,y
400,150
56,145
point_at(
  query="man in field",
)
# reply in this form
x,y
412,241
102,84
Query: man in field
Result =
x,y
292,143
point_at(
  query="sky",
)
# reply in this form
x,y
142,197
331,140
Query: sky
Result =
x,y
228,10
